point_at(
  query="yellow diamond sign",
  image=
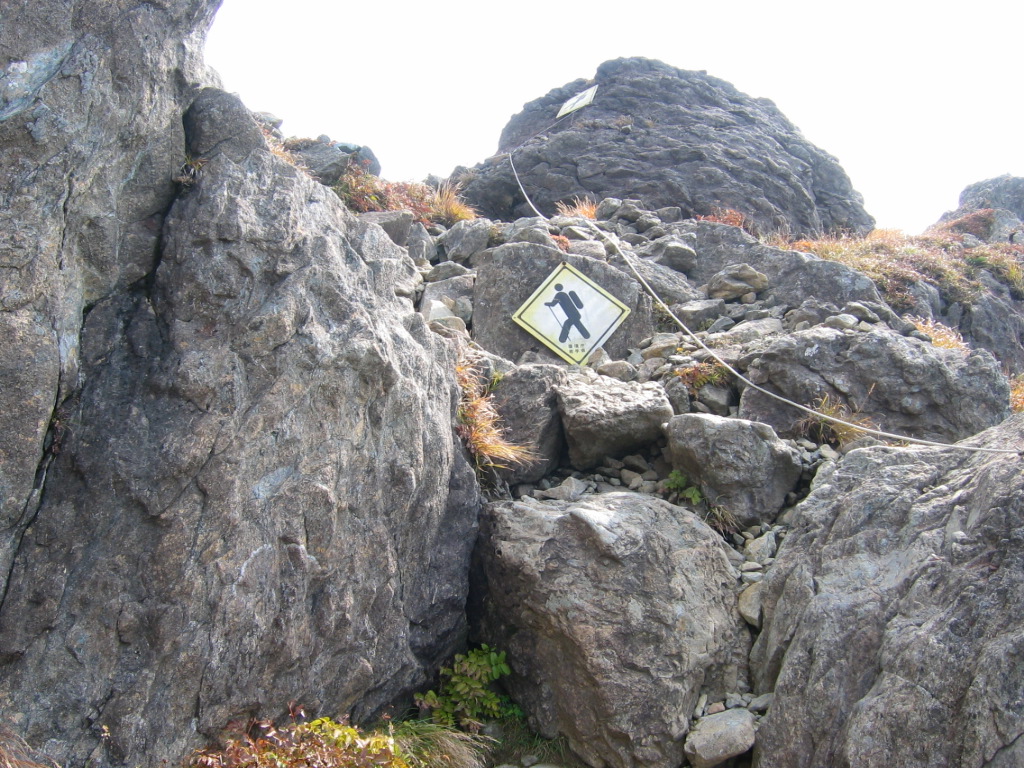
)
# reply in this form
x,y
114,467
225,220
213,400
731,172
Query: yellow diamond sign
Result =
x,y
571,314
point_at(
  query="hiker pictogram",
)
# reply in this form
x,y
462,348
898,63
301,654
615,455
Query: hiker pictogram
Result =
x,y
571,306
571,314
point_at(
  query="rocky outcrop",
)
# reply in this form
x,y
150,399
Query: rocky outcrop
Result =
x,y
617,611
898,383
668,137
890,636
250,492
990,210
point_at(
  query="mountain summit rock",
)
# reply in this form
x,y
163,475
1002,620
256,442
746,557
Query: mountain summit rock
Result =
x,y
668,137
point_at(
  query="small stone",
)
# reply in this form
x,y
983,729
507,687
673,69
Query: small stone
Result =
x,y
714,709
717,737
761,703
828,453
734,700
841,321
748,298
749,566
749,604
751,577
636,462
529,760
762,548
702,702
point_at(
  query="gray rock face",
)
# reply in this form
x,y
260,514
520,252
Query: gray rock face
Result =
x,y
258,498
892,633
738,464
610,418
902,384
616,610
669,137
508,275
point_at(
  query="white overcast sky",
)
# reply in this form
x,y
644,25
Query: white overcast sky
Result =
x,y
915,99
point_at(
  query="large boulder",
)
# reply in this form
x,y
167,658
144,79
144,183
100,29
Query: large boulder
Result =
x,y
668,137
508,275
740,465
903,385
891,635
606,417
617,611
526,400
991,210
257,497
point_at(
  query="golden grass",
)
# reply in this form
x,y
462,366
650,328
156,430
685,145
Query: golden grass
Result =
x,y
15,753
579,207
479,423
941,335
897,261
822,430
446,207
1017,393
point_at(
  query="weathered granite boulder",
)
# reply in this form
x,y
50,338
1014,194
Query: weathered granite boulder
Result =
x,y
526,400
891,634
668,137
736,280
901,384
740,465
255,495
608,417
616,610
509,274
327,160
716,738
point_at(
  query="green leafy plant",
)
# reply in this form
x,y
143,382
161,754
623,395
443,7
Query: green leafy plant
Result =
x,y
679,484
467,696
700,375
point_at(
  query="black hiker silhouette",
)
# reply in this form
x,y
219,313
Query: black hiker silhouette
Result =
x,y
571,306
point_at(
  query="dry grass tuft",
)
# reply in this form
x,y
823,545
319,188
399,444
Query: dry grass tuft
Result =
x,y
479,424
446,207
279,149
822,430
562,242
896,262
730,216
941,335
1017,393
579,207
15,753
